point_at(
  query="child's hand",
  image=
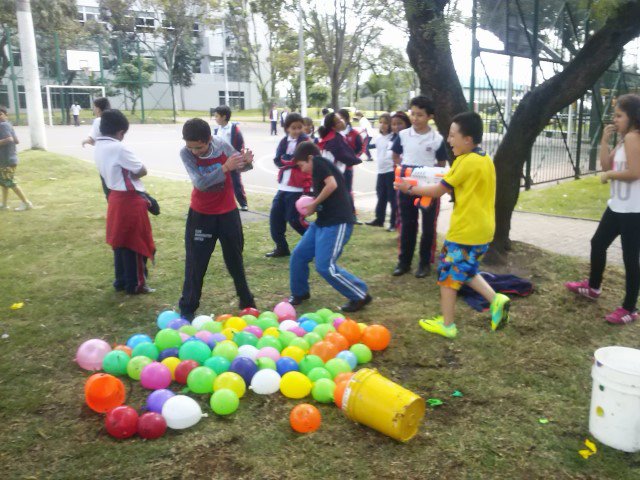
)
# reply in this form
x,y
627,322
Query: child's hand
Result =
x,y
604,177
247,156
234,162
402,185
311,209
608,131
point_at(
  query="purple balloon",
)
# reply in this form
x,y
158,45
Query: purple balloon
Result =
x,y
338,321
168,352
155,376
156,399
286,364
257,331
219,337
177,323
245,367
299,331
206,337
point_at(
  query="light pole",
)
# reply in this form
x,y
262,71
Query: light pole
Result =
x,y
224,65
303,76
35,112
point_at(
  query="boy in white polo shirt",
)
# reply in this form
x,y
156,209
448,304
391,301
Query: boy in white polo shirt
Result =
x,y
418,146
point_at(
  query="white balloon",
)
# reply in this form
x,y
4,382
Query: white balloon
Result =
x,y
181,412
265,382
200,321
248,351
288,325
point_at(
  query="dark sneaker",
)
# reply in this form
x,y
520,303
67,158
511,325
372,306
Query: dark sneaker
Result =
x,y
391,229
400,270
297,300
374,223
276,253
355,305
423,271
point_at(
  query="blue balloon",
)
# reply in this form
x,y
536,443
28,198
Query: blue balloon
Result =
x,y
348,357
165,317
308,325
176,323
168,352
245,367
156,399
286,364
137,339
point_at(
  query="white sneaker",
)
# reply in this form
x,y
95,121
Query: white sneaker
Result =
x,y
24,206
4,207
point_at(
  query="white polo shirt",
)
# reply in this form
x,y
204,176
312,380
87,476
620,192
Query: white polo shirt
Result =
x,y
95,128
75,109
116,163
420,149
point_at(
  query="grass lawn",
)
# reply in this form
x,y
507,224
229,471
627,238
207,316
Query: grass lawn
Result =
x,y
56,262
584,198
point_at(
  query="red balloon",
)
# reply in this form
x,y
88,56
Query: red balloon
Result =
x,y
250,311
122,422
182,370
151,425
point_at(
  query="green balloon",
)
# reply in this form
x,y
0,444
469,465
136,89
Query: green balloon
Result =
x,y
188,329
217,364
226,349
300,343
200,380
323,329
270,322
212,326
266,362
135,366
312,338
333,316
362,352
268,315
313,316
224,402
168,338
286,337
319,372
263,323
115,362
146,350
336,366
309,362
324,313
245,338
269,341
322,390
194,350
250,319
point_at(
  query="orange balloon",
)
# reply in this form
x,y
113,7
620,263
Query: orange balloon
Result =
x,y
103,392
325,350
338,340
305,418
223,318
341,377
124,348
338,393
350,330
376,337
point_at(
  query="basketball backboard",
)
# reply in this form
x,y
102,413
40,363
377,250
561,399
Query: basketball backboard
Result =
x,y
83,60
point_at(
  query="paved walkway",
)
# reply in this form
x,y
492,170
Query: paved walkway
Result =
x,y
567,236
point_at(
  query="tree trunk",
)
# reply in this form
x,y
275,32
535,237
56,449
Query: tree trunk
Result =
x,y
540,104
430,56
335,94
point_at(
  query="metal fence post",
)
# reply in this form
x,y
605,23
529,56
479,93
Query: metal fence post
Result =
x,y
13,78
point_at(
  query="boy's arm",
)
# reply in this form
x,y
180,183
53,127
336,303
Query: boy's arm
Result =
x,y
330,186
631,147
433,191
397,150
6,134
442,156
130,162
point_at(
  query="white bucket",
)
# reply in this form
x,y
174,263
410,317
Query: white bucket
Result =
x,y
614,418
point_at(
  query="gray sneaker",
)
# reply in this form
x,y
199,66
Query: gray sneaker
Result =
x,y
24,206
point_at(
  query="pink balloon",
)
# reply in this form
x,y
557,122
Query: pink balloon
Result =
x,y
155,376
338,321
302,203
285,311
257,331
269,352
299,331
184,336
91,353
204,335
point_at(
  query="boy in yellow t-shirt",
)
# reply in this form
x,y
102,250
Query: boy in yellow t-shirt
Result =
x,y
473,180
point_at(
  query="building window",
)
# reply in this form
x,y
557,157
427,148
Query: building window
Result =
x,y
22,97
236,72
88,13
236,99
196,30
4,95
145,22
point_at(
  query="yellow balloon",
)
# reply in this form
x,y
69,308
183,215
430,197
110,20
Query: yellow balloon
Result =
x,y
229,332
232,381
273,331
171,363
293,352
362,326
236,323
294,385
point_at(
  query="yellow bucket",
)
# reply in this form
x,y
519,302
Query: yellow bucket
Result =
x,y
377,402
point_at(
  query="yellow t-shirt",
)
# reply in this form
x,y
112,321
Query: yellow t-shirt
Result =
x,y
473,180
